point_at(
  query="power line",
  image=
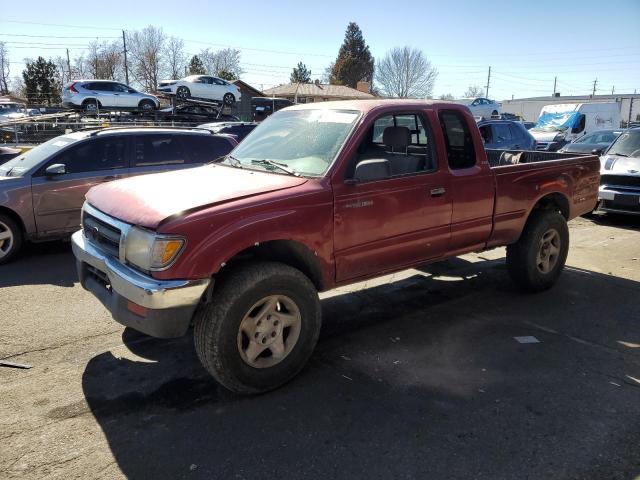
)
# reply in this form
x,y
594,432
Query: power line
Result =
x,y
52,36
86,27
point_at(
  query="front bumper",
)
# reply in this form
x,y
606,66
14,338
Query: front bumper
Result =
x,y
619,200
160,308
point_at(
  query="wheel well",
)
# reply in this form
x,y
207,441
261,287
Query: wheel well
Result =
x,y
91,100
14,216
554,201
289,252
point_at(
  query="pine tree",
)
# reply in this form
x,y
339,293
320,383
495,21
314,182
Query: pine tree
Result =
x,y
40,82
354,62
196,66
301,74
226,75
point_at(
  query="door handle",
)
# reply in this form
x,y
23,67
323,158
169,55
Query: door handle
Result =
x,y
438,191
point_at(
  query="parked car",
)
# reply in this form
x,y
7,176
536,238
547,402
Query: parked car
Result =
x,y
620,175
262,107
42,191
195,114
506,135
7,153
238,129
596,142
482,108
12,111
202,86
94,95
560,124
529,125
318,196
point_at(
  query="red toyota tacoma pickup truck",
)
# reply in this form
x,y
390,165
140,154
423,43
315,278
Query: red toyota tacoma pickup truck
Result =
x,y
318,196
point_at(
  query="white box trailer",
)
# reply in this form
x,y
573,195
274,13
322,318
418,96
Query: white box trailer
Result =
x,y
562,123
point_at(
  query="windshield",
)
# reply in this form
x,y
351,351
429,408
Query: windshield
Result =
x,y
627,144
556,122
303,141
18,166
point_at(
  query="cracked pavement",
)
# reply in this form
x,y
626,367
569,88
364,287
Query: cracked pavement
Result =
x,y
416,375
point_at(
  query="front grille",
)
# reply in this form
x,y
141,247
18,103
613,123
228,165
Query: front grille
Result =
x,y
620,180
542,145
102,234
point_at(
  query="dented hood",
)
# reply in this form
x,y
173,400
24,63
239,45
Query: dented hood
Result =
x,y
147,200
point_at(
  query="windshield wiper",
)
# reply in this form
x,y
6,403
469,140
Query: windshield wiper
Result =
x,y
619,154
281,166
233,161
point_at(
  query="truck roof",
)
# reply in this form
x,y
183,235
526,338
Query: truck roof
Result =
x,y
368,105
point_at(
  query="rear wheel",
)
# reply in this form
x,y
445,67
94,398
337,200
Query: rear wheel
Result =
x,y
91,106
536,260
260,328
183,93
146,105
495,114
228,99
10,238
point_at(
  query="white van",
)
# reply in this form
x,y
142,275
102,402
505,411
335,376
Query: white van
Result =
x,y
563,123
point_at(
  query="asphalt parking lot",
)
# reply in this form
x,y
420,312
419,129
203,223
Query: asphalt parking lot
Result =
x,y
416,375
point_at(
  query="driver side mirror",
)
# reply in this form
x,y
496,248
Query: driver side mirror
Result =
x,y
371,170
55,169
597,151
131,90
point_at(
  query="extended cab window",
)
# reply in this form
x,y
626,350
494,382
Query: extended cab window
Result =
x,y
458,140
402,142
158,150
207,148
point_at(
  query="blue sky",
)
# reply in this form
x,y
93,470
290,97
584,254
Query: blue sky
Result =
x,y
525,43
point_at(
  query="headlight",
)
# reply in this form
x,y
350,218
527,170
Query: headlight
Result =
x,y
559,137
150,251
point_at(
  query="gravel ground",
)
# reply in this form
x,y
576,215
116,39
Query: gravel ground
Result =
x,y
416,375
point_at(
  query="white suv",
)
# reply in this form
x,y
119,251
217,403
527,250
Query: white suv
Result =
x,y
201,86
92,95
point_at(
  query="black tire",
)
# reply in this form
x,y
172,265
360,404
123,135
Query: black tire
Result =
x,y
495,114
522,256
183,92
228,99
146,105
91,106
10,247
217,325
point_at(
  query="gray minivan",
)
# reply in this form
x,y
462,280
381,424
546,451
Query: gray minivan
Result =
x,y
42,190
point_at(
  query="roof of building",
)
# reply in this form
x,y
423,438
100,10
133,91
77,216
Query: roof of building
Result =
x,y
317,90
254,91
576,98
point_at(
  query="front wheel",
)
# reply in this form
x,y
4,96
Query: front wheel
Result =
x,y
147,106
260,327
10,238
536,260
228,99
183,93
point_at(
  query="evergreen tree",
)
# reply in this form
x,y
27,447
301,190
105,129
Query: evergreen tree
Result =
x,y
226,75
40,82
196,67
354,62
301,74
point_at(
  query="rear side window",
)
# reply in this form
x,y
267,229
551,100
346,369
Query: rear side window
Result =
x,y
94,155
502,132
150,150
457,137
204,149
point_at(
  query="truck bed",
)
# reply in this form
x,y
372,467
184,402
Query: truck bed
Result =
x,y
500,158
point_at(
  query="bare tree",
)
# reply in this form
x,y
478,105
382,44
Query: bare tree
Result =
x,y
474,91
4,68
446,96
226,60
147,62
104,60
175,57
405,72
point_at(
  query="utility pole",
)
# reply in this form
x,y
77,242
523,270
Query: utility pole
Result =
x,y
68,64
595,82
630,109
488,82
126,67
185,71
613,89
555,79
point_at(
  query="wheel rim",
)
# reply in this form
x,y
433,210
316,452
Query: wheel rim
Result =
x,y
91,107
228,99
6,240
182,92
549,251
269,331
146,106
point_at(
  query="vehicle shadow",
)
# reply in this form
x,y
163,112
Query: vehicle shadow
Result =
x,y
627,222
49,263
416,378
